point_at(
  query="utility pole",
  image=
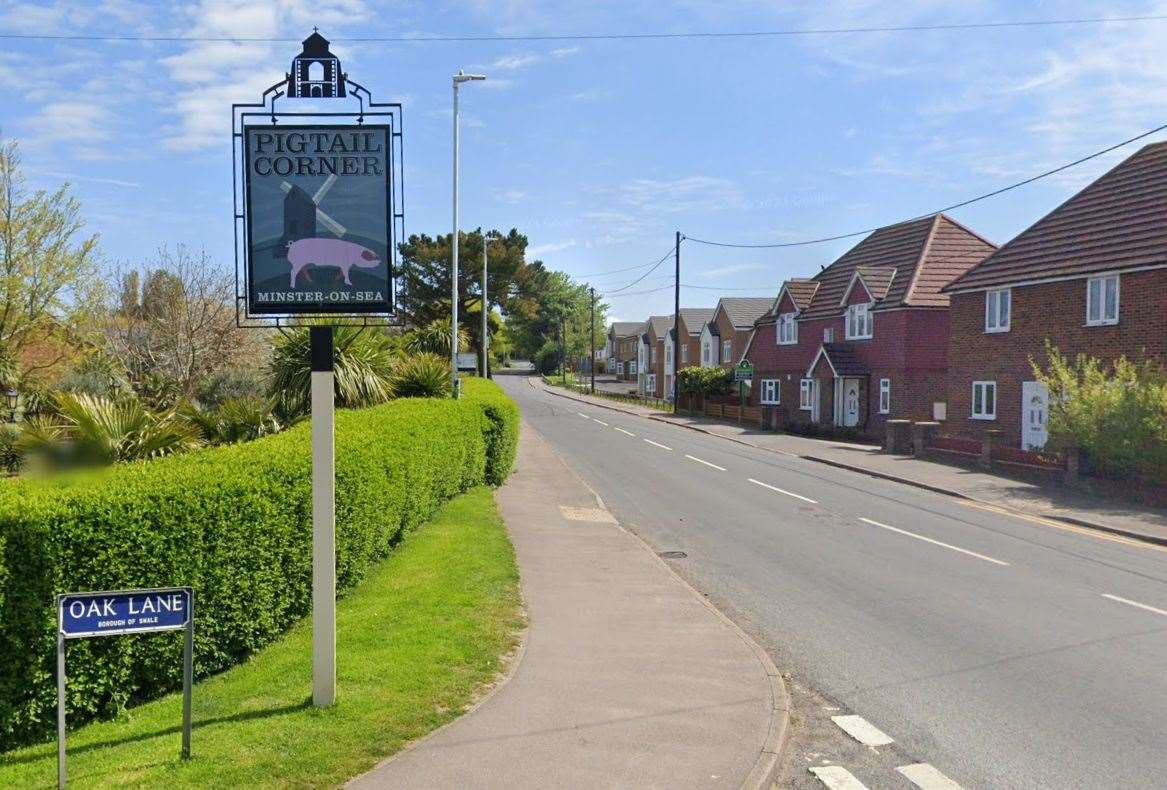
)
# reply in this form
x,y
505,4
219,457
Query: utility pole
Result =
x,y
677,320
485,309
563,348
459,78
593,360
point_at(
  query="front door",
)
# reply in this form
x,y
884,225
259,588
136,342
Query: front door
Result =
x,y
1034,415
850,403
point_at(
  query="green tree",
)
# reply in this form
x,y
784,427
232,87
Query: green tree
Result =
x,y
363,361
44,259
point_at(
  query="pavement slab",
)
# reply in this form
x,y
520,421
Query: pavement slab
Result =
x,y
627,677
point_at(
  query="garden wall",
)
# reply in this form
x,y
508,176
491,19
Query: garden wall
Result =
x,y
234,523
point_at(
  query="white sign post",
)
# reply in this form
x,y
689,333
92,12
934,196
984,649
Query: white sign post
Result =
x,y
323,519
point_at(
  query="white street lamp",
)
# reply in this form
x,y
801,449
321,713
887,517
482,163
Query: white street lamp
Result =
x,y
459,78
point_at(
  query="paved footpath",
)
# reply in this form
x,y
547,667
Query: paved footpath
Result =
x,y
628,677
1055,502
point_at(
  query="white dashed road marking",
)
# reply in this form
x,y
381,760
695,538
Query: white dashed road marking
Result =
x,y
581,414
783,491
629,433
933,542
926,777
837,778
601,422
658,444
862,730
698,460
1129,602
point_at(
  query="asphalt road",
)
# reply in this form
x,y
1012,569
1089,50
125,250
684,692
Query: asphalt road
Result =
x,y
1005,653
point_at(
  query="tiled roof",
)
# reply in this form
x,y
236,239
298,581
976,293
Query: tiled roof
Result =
x,y
902,265
743,311
695,318
626,328
1117,222
661,324
843,360
801,290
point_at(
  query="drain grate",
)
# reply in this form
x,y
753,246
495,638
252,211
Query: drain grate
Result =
x,y
672,555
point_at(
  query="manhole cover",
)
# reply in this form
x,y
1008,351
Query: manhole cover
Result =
x,y
673,555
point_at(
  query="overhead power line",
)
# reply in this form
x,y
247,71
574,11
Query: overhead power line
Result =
x,y
655,265
703,34
953,207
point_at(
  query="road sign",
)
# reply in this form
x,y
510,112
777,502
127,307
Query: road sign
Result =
x,y
744,371
117,613
467,360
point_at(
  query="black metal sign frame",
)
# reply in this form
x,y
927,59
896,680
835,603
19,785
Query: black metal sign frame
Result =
x,y
266,111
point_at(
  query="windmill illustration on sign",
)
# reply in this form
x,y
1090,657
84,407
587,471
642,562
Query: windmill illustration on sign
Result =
x,y
301,213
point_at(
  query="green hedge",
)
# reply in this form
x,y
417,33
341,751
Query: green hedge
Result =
x,y
233,522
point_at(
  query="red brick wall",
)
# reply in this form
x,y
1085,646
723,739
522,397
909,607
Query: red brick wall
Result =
x,y
740,339
1056,311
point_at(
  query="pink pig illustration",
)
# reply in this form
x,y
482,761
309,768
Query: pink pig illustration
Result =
x,y
329,252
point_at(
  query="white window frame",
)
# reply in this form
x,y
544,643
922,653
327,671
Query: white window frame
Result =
x,y
856,312
770,392
668,353
631,368
1103,319
787,329
705,353
650,384
993,298
885,396
726,351
984,413
805,392
652,355
828,334
684,353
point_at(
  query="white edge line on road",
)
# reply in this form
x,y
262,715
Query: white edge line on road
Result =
x,y
862,730
934,542
581,414
629,433
1129,602
698,460
782,491
927,777
837,777
658,444
601,422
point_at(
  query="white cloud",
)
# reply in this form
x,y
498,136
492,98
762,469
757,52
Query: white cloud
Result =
x,y
514,62
734,268
511,196
556,246
564,52
680,194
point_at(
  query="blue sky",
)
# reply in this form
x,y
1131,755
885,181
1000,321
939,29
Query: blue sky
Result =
x,y
600,150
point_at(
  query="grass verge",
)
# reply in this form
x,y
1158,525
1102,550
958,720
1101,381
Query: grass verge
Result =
x,y
416,640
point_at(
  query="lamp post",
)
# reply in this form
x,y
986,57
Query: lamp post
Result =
x,y
485,309
459,78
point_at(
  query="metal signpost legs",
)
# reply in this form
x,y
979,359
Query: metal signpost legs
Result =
x,y
60,709
187,679
323,520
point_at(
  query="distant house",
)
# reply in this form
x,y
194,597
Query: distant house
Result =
x,y
865,339
692,323
1090,276
727,333
623,337
656,357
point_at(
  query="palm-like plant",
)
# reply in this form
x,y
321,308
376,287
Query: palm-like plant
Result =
x,y
434,338
363,361
422,376
234,420
93,429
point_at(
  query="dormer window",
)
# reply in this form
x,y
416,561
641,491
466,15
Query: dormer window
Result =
x,y
859,322
787,329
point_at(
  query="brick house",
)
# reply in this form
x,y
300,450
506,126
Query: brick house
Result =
x,y
866,339
623,337
1090,276
651,356
692,323
727,333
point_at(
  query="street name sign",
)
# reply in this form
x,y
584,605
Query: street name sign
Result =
x,y
85,615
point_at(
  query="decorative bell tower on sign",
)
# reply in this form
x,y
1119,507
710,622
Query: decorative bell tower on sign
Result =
x,y
316,71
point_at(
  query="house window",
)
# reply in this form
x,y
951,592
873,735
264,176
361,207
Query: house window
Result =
x,y
997,307
829,334
684,353
1102,300
805,392
631,368
858,322
704,353
885,396
726,350
668,353
984,400
787,329
652,356
650,383
771,393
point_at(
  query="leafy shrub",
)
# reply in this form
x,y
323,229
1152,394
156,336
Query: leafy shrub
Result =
x,y
363,360
233,522
88,429
235,419
96,374
422,376
1116,413
434,338
547,358
231,383
11,456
